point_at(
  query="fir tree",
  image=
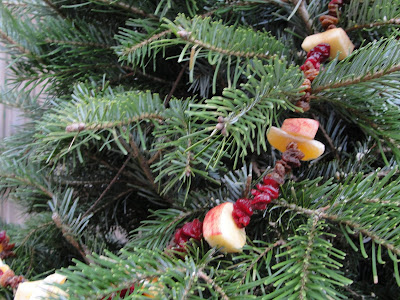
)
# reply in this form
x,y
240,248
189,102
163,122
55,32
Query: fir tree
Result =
x,y
123,146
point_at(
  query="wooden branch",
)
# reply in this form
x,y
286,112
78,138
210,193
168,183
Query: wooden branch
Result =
x,y
211,282
395,21
365,78
108,187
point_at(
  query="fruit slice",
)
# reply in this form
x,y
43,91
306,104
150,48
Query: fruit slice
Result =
x,y
303,127
280,139
337,38
220,230
40,289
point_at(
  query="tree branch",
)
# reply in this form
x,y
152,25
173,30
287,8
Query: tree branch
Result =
x,y
211,282
130,8
320,213
365,78
108,187
304,15
395,21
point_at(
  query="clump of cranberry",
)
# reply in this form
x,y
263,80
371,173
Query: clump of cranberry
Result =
x,y
316,56
191,230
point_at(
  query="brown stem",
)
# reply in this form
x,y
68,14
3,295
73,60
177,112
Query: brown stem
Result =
x,y
304,15
395,21
176,82
117,197
320,213
76,43
328,138
66,233
276,244
10,41
154,157
134,151
365,78
130,8
108,187
146,42
211,282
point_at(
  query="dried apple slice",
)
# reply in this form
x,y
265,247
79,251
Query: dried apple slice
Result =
x,y
303,127
337,38
311,149
41,289
220,230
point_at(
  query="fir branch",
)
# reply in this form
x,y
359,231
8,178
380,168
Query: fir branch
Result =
x,y
127,7
375,24
214,285
14,44
336,218
77,43
302,10
93,206
226,51
371,62
260,256
357,80
145,42
29,182
370,14
68,236
77,127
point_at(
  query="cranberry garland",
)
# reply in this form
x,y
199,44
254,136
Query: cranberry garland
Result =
x,y
5,246
265,192
191,230
318,54
7,276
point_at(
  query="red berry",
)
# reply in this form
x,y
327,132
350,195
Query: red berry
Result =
x,y
255,192
242,211
322,50
193,229
2,235
260,202
270,181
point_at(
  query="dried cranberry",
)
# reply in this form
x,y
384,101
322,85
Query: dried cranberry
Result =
x,y
270,190
1,272
190,230
323,50
242,211
2,235
193,229
260,202
268,180
338,2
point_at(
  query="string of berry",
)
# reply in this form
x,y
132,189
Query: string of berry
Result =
x,y
330,20
7,276
318,54
268,190
191,230
5,246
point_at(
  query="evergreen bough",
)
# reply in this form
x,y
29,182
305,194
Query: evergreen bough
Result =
x,y
121,147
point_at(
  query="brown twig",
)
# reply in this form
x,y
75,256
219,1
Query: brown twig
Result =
x,y
66,233
328,138
130,8
176,82
276,244
108,187
304,15
320,213
365,78
154,157
134,151
211,282
395,21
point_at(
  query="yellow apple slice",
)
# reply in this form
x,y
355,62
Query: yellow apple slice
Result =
x,y
303,127
280,139
220,229
41,289
337,38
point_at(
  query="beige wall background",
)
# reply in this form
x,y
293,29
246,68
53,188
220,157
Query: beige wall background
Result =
x,y
10,118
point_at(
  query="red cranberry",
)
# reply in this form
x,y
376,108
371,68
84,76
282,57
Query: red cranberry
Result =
x,y
2,235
